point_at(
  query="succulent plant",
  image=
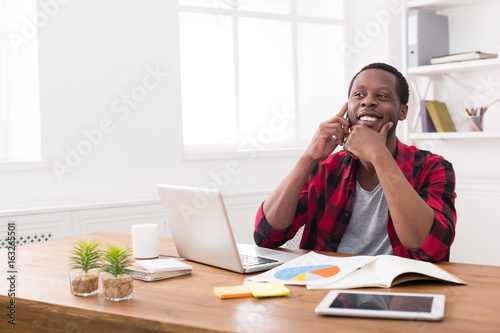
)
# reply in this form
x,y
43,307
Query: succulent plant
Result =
x,y
117,259
86,255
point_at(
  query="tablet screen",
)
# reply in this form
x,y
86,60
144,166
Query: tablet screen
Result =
x,y
346,300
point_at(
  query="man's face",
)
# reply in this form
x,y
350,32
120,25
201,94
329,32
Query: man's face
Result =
x,y
374,101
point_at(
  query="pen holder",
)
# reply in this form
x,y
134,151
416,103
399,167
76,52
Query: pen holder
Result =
x,y
476,123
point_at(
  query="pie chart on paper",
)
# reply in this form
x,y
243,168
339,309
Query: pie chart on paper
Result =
x,y
307,273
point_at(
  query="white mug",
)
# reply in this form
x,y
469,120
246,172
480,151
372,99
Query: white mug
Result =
x,y
145,241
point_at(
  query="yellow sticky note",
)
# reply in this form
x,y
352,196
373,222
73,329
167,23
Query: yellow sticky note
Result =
x,y
269,289
233,291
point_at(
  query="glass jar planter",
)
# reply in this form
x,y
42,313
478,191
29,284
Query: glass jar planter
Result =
x,y
84,283
116,288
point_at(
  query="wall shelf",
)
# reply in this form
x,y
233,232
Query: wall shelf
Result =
x,y
436,5
460,66
453,135
438,82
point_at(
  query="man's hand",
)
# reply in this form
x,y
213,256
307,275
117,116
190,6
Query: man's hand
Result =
x,y
329,135
364,142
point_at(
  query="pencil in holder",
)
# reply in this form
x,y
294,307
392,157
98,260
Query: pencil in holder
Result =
x,y
476,123
475,116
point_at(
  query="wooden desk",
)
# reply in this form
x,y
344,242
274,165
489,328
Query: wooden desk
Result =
x,y
187,304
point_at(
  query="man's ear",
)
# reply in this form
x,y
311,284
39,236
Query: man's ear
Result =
x,y
403,112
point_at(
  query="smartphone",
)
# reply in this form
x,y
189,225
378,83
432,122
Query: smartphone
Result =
x,y
413,306
347,116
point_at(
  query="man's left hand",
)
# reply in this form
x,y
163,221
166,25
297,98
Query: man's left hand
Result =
x,y
364,142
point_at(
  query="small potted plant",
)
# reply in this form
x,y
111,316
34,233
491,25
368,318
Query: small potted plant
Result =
x,y
116,281
85,263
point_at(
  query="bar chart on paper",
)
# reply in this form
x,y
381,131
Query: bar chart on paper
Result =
x,y
307,273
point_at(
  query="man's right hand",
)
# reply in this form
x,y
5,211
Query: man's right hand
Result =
x,y
281,205
328,136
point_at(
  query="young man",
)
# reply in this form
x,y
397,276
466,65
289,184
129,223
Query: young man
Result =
x,y
377,196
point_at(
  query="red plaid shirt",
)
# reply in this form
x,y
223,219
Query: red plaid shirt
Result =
x,y
327,201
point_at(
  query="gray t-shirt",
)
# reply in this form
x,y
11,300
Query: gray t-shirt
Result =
x,y
367,230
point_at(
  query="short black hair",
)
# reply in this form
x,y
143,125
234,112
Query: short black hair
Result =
x,y
401,84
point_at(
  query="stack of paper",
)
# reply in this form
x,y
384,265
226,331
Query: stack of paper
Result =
x,y
476,55
159,269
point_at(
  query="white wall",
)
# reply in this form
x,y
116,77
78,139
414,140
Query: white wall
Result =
x,y
92,53
375,34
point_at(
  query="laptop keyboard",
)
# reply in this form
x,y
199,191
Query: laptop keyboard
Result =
x,y
249,260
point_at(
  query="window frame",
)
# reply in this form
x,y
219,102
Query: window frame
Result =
x,y
18,159
241,148
3,88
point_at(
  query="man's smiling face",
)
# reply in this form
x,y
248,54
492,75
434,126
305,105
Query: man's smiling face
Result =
x,y
374,101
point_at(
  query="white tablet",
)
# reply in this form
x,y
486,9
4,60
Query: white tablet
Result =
x,y
382,305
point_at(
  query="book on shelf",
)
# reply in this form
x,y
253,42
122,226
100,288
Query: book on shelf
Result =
x,y
427,125
440,116
466,56
159,269
386,271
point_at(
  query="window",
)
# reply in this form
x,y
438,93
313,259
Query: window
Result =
x,y
19,94
259,73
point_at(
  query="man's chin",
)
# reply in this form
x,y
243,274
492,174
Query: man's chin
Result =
x,y
374,125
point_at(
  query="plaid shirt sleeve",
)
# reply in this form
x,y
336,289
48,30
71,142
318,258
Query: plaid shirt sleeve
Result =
x,y
433,179
324,208
267,236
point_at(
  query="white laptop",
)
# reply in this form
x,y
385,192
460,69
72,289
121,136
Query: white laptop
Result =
x,y
201,231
